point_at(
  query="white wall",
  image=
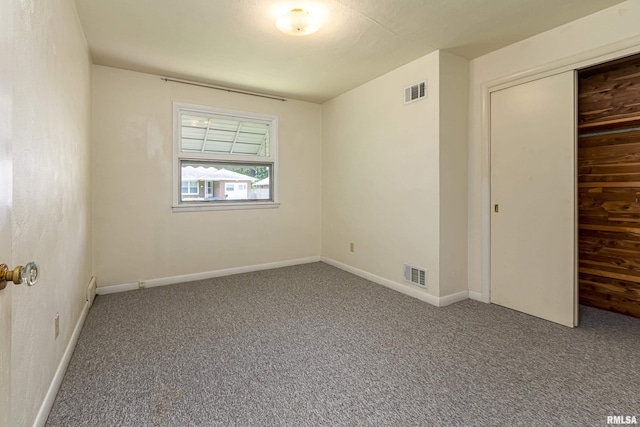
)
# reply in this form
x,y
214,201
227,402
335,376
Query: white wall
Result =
x,y
382,177
601,33
51,178
454,101
137,235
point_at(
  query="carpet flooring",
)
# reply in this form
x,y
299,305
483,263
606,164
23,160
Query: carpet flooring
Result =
x,y
312,345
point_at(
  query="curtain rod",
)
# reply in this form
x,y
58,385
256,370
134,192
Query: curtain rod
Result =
x,y
226,89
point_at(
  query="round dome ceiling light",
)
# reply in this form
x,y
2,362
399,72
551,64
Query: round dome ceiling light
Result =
x,y
298,22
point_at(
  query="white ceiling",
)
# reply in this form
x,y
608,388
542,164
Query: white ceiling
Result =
x,y
235,42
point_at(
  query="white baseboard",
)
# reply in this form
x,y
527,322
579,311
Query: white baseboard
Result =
x,y
476,296
453,298
150,283
113,289
52,392
401,287
405,289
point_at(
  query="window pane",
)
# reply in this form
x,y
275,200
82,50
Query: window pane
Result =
x,y
226,181
222,134
189,188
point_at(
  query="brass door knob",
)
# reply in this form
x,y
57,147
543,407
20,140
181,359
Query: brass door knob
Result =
x,y
27,275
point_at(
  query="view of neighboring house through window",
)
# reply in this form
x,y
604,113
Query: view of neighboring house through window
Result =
x,y
224,158
207,181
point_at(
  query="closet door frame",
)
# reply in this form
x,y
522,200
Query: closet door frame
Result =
x,y
586,59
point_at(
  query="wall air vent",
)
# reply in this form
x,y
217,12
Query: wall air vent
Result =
x,y
415,275
416,92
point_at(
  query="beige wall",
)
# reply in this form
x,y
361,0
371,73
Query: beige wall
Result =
x,y
382,181
594,35
51,201
454,101
138,237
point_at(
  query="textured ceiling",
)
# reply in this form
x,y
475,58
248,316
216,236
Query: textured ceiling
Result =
x,y
235,42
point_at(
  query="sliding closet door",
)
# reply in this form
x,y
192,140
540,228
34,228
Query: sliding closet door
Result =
x,y
533,198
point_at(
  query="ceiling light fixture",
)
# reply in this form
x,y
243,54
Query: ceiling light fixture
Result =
x,y
298,22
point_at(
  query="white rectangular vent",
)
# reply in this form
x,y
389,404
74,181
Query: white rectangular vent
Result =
x,y
415,275
415,92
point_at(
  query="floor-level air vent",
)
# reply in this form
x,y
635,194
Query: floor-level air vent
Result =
x,y
415,275
415,92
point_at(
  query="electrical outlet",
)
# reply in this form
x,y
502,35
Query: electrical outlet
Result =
x,y
352,247
142,284
56,325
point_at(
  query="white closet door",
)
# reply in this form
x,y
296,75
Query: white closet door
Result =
x,y
533,198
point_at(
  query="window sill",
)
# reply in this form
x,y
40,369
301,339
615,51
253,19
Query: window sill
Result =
x,y
196,207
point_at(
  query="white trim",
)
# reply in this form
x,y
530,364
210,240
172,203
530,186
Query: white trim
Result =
x,y
163,281
114,289
178,155
476,296
50,397
412,291
91,290
580,60
453,298
196,207
584,59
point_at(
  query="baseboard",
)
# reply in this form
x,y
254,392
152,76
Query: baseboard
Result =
x,y
52,392
114,289
453,298
400,287
150,283
476,296
405,289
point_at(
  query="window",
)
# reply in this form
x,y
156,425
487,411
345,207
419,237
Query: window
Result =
x,y
189,187
224,159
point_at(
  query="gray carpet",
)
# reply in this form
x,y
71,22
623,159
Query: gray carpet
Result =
x,y
312,345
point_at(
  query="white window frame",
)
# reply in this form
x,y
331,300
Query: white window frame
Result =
x,y
189,193
242,159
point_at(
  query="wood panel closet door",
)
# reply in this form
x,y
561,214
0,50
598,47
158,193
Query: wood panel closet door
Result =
x,y
609,221
609,186
533,240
